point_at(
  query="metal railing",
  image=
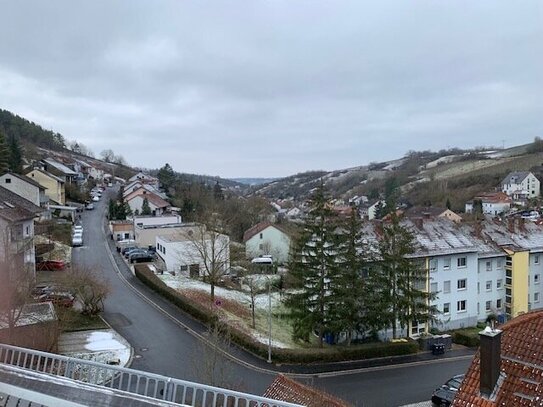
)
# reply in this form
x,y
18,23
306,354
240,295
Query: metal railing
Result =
x,y
132,381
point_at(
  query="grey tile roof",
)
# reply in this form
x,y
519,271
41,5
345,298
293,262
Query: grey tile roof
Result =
x,y
515,177
14,208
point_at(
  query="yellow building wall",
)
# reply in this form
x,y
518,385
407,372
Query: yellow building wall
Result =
x,y
519,288
52,188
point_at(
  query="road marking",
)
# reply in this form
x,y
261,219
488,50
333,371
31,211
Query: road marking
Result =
x,y
260,369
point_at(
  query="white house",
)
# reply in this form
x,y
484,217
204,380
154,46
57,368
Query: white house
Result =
x,y
157,204
192,255
493,203
25,187
267,238
145,236
368,209
521,185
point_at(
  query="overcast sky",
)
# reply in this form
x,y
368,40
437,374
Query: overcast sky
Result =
x,y
275,87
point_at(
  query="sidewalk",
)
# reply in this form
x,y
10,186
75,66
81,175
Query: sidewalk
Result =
x,y
103,346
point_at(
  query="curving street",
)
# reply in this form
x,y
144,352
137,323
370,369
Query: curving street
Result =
x,y
169,342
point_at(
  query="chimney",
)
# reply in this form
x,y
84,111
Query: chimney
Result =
x,y
490,360
511,225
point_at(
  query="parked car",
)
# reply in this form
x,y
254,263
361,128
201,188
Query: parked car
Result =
x,y
134,251
77,240
141,257
50,265
444,395
95,198
89,207
78,228
61,299
124,250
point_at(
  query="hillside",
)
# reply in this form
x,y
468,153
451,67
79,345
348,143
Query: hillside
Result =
x,y
420,177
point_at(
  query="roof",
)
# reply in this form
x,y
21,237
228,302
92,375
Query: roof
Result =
x,y
59,166
14,208
515,177
152,198
25,179
259,227
425,211
47,174
494,197
285,389
521,363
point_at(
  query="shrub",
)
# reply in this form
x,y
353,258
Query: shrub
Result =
x,y
466,337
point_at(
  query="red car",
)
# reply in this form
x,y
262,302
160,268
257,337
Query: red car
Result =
x,y
50,265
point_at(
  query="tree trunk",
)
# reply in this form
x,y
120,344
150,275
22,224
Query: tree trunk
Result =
x,y
212,291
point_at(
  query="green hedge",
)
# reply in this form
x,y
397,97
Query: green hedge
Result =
x,y
328,354
466,338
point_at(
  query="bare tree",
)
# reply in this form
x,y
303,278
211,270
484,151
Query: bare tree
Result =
x,y
208,250
89,288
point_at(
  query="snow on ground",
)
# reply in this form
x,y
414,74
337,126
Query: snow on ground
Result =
x,y
265,340
185,283
101,346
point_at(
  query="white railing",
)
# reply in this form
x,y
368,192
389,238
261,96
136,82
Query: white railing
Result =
x,y
132,381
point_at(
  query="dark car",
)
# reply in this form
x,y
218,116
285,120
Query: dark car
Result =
x,y
134,251
444,395
141,257
50,265
127,249
60,299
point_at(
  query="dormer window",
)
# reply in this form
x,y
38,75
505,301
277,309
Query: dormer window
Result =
x,y
8,180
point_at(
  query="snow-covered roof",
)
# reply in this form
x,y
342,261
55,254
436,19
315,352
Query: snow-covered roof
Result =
x,y
59,166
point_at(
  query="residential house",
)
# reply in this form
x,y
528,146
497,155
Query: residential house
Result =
x,y
266,238
432,212
17,230
25,187
60,170
157,204
139,188
54,186
368,210
145,179
96,173
194,251
507,369
492,203
121,229
521,185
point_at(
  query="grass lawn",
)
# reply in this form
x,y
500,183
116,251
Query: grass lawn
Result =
x,y
72,320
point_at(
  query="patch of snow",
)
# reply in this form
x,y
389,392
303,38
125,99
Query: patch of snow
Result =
x,y
265,340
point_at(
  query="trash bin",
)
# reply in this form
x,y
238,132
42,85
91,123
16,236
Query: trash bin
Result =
x,y
438,349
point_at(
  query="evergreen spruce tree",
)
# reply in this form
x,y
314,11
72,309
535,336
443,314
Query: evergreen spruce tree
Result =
x,y
313,268
145,208
4,155
398,282
348,289
15,154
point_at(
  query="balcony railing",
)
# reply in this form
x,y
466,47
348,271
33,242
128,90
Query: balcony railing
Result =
x,y
151,385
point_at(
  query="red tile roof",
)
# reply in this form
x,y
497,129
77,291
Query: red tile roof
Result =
x,y
521,362
285,389
259,227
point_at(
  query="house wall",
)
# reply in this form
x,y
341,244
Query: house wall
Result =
x,y
137,202
21,188
495,208
270,241
157,220
53,188
535,292
179,255
440,275
530,184
491,286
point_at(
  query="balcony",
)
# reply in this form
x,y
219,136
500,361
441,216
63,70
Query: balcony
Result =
x,y
92,379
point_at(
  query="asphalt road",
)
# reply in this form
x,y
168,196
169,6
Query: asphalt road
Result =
x,y
165,347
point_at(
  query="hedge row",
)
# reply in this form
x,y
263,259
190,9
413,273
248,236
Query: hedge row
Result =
x,y
328,354
466,338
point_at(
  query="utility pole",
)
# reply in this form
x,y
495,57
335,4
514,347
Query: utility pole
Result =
x,y
269,322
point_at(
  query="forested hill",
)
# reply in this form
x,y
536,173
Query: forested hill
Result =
x,y
29,132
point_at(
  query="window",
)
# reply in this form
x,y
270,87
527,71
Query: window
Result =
x,y
499,283
447,263
184,267
488,306
447,308
499,264
478,287
461,284
536,259
433,287
163,250
461,262
461,306
433,265
536,278
488,285
536,297
488,266
261,235
446,287
499,304
260,246
8,180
